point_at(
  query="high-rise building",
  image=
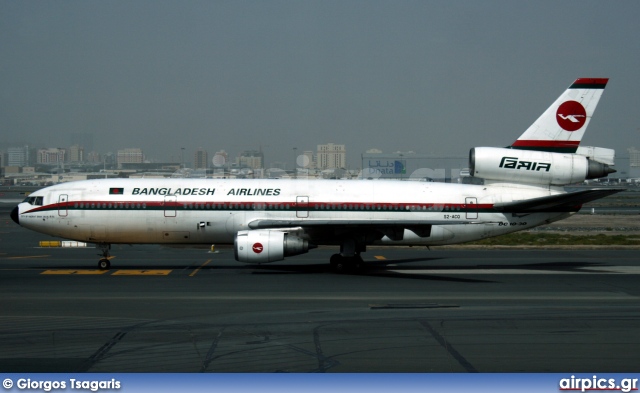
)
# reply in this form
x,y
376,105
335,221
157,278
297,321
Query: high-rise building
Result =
x,y
634,157
94,157
76,153
131,155
17,156
201,159
634,162
52,155
331,156
253,159
307,160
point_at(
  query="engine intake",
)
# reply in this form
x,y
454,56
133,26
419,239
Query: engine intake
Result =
x,y
263,246
533,167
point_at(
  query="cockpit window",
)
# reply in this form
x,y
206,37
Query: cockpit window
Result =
x,y
35,201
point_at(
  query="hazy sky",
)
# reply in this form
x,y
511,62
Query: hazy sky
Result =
x,y
434,77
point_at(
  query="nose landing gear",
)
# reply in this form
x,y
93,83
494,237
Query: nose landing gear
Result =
x,y
104,263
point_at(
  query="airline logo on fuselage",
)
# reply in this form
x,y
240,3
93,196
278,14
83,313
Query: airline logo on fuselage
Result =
x,y
171,191
514,163
204,191
254,191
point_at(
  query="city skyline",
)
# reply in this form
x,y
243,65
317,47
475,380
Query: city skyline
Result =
x,y
177,156
431,77
77,154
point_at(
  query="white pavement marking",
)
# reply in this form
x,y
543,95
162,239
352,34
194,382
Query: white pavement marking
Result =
x,y
498,271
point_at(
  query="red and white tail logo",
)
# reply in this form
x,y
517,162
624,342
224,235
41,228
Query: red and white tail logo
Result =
x,y
571,116
561,127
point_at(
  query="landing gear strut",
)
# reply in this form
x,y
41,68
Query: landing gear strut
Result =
x,y
349,259
104,263
342,264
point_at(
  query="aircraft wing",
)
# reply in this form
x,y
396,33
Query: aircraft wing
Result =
x,y
265,224
555,203
394,229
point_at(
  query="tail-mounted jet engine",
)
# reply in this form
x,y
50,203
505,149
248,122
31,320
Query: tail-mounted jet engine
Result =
x,y
534,167
262,246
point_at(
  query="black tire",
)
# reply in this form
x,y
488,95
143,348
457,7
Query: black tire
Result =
x,y
338,263
104,264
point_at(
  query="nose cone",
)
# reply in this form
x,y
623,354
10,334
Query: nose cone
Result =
x,y
14,215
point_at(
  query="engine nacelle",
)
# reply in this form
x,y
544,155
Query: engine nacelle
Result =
x,y
262,246
533,167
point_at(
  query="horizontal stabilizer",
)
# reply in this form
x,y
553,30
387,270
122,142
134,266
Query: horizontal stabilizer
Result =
x,y
560,202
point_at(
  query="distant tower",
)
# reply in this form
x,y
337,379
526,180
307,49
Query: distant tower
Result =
x,y
634,162
52,155
17,156
131,155
76,153
201,159
308,160
253,159
331,156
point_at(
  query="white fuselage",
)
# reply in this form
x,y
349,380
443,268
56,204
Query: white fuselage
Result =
x,y
208,211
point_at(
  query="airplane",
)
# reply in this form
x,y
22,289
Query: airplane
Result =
x,y
516,187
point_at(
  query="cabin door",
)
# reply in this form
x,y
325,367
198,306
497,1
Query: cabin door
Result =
x,y
302,207
62,205
471,208
170,202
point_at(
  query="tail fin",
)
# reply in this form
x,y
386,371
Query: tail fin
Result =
x,y
561,127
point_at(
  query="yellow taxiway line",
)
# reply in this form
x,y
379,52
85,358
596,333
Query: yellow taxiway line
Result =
x,y
73,272
201,266
152,272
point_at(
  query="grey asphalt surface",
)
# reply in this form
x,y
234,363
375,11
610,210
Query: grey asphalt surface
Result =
x,y
163,309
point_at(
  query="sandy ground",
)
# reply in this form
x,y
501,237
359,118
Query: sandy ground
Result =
x,y
577,225
605,223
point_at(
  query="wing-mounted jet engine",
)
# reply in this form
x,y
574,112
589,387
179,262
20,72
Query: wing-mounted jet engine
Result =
x,y
262,246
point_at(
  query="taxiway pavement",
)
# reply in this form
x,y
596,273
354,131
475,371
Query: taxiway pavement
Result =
x,y
411,310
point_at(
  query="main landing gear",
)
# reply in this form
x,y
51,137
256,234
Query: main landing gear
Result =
x,y
342,264
349,259
104,263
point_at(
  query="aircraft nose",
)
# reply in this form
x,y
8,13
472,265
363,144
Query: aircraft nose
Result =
x,y
14,215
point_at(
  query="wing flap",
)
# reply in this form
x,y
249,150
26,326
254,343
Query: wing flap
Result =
x,y
553,203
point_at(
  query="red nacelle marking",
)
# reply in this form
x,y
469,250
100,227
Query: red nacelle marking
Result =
x,y
257,248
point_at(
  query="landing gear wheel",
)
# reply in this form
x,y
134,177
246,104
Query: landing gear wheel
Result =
x,y
342,264
104,264
338,263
